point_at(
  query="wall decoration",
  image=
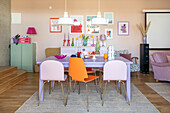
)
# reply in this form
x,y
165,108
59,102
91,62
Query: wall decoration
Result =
x,y
123,28
109,34
109,16
54,28
91,29
78,27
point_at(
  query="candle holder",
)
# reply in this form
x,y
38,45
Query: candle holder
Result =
x,y
103,38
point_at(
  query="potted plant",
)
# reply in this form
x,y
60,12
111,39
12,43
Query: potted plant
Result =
x,y
16,39
85,38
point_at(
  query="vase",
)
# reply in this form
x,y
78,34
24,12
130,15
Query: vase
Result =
x,y
85,42
16,41
145,40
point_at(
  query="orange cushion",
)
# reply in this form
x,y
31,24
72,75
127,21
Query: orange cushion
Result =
x,y
91,71
90,78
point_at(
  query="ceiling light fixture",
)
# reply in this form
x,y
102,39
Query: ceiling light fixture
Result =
x,y
65,20
99,20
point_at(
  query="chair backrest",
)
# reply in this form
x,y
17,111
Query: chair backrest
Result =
x,y
52,51
115,70
77,69
52,70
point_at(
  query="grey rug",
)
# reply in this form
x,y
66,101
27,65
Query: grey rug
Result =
x,y
114,102
163,89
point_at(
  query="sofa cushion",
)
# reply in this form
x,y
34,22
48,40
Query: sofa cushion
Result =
x,y
168,57
127,56
161,57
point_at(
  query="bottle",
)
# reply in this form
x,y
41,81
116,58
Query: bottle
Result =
x,y
97,48
72,44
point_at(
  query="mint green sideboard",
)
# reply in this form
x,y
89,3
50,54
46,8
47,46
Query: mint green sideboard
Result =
x,y
23,56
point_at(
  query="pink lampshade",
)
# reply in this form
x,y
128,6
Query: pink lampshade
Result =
x,y
102,37
31,30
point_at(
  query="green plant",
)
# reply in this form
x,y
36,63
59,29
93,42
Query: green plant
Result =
x,y
84,37
17,36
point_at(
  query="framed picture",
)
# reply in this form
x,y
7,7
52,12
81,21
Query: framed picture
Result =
x,y
54,28
123,28
78,27
109,16
91,29
109,34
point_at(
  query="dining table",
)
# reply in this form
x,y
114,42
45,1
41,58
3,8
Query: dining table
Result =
x,y
89,62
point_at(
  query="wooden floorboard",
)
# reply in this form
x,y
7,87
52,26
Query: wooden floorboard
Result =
x,y
12,99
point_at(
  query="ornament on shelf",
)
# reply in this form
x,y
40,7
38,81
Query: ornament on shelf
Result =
x,y
93,41
72,44
68,41
64,41
77,42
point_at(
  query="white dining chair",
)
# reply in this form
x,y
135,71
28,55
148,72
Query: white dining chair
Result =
x,y
115,71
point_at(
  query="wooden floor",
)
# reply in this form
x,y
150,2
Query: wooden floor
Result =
x,y
12,99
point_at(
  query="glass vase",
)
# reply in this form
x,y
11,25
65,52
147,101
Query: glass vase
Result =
x,y
84,42
145,40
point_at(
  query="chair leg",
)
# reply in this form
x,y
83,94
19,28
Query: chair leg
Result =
x,y
63,94
102,87
53,85
79,88
70,83
74,86
49,87
104,93
41,93
126,93
87,98
120,88
96,85
136,73
68,91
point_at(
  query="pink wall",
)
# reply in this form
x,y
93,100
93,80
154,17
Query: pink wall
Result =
x,y
36,13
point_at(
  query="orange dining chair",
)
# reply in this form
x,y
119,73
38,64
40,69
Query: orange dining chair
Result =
x,y
52,70
78,72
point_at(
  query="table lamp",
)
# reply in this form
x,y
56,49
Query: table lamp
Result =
x,y
102,38
31,30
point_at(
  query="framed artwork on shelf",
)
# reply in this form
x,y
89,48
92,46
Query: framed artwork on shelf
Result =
x,y
91,29
78,27
109,34
54,28
109,16
123,28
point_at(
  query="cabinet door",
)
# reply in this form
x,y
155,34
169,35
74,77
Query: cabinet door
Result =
x,y
27,57
16,55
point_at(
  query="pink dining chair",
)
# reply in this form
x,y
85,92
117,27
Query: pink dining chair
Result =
x,y
115,71
52,70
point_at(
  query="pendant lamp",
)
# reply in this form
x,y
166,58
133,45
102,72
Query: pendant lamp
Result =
x,y
99,20
65,20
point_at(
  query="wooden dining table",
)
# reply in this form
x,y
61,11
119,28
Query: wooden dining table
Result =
x,y
98,62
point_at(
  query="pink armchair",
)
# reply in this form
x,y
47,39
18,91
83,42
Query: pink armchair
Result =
x,y
160,65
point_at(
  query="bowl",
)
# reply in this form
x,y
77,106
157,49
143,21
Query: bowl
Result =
x,y
60,56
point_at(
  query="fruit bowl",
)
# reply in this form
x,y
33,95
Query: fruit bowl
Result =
x,y
60,56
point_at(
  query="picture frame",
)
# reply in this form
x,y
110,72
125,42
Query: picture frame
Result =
x,y
109,34
91,29
123,28
54,28
109,16
78,27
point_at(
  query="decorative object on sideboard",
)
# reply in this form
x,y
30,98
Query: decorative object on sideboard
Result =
x,y
16,39
54,27
97,48
77,41
68,41
65,20
31,31
84,38
99,20
102,38
109,34
72,44
144,31
25,40
64,41
111,52
123,28
93,45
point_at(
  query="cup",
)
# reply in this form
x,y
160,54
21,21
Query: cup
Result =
x,y
105,56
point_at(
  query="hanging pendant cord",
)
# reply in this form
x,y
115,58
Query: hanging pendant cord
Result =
x,y
65,5
98,5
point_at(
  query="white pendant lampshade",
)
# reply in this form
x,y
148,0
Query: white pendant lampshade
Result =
x,y
99,20
65,20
